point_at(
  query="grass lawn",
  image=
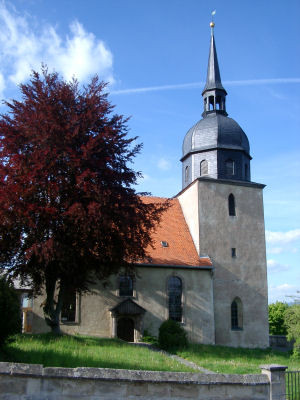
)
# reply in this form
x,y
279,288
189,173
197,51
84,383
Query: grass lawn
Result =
x,y
229,360
81,351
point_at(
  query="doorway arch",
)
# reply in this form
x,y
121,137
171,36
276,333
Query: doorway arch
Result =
x,y
125,329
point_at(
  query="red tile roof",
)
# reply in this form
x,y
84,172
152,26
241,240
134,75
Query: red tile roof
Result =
x,y
173,229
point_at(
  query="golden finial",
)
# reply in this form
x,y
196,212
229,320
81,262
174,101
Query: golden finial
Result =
x,y
212,24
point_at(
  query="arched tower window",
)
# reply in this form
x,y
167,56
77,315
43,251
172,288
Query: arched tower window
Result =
x,y
175,298
203,167
231,205
125,285
186,173
229,167
236,314
68,309
211,101
218,103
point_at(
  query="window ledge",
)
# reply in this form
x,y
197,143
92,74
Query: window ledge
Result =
x,y
237,329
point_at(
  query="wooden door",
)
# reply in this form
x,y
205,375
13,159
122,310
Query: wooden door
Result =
x,y
125,329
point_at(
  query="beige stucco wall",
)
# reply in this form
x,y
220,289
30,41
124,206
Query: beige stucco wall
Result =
x,y
188,200
94,317
244,276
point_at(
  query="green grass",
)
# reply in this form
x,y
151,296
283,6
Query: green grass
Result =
x,y
230,360
81,351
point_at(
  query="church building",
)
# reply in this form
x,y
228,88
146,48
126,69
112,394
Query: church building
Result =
x,y
207,269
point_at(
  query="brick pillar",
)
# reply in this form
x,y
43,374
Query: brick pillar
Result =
x,y
276,375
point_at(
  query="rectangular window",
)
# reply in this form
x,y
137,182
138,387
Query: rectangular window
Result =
x,y
233,252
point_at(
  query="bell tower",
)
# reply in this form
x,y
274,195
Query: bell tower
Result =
x,y
224,212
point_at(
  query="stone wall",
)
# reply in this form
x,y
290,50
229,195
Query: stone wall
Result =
x,y
243,276
33,382
280,342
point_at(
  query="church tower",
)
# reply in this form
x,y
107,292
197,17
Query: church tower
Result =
x,y
224,212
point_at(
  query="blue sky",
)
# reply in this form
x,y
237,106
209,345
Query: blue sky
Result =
x,y
154,54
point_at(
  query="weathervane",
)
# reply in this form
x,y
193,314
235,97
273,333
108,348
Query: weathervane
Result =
x,y
212,24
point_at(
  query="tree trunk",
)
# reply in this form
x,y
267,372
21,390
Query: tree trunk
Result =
x,y
52,308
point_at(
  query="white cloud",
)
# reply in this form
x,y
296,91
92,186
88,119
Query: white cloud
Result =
x,y
282,237
25,46
262,81
193,85
274,266
2,83
158,88
275,250
282,292
164,164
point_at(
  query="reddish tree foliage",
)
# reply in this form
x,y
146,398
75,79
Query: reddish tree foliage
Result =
x,y
68,212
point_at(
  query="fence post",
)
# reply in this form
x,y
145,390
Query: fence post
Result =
x,y
276,375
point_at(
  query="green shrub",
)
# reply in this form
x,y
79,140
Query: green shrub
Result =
x,y
9,311
277,325
292,321
148,338
172,335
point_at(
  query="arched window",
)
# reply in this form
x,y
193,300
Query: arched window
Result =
x,y
125,285
218,103
229,167
175,298
203,168
211,100
236,314
186,173
68,309
231,204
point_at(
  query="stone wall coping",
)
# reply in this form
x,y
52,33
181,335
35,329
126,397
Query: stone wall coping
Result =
x,y
107,374
274,367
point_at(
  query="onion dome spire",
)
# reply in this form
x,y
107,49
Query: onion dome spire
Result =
x,y
215,147
213,92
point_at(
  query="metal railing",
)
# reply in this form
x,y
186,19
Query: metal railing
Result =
x,y
292,381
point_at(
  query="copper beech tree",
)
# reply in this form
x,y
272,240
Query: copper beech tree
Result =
x,y
68,212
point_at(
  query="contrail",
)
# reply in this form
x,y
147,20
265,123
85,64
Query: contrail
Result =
x,y
194,85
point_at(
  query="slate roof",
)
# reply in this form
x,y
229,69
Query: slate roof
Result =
x,y
213,77
215,131
128,307
180,250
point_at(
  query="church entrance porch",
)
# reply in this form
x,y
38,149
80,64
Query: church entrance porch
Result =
x,y
127,321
